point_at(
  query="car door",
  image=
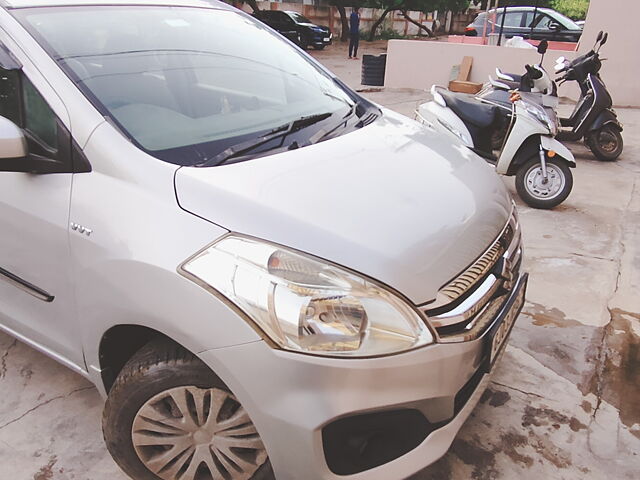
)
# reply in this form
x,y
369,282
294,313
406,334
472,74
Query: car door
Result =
x,y
36,289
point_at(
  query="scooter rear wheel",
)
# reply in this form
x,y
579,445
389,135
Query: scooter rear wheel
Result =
x,y
605,143
535,192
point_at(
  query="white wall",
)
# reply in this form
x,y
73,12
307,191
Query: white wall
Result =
x,y
621,70
420,64
416,64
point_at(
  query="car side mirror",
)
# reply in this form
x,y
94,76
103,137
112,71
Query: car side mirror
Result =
x,y
13,144
555,27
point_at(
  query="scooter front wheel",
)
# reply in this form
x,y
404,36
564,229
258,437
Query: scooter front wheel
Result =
x,y
605,143
537,192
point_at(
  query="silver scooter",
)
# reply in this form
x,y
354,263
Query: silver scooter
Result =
x,y
527,150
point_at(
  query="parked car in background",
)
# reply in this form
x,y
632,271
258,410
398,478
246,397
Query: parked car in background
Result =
x,y
296,28
280,22
526,22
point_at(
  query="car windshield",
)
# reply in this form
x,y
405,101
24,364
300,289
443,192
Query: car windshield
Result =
x,y
184,83
299,18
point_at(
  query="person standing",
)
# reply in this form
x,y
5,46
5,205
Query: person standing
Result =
x,y
354,32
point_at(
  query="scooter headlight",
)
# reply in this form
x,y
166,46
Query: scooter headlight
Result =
x,y
307,305
542,116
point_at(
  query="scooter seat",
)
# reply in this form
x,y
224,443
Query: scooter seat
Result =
x,y
470,109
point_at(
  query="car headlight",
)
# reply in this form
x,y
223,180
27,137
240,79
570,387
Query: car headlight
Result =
x,y
305,304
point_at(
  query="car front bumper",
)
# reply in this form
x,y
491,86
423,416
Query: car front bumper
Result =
x,y
292,398
322,39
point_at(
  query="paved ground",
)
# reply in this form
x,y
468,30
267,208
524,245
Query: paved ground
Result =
x,y
564,402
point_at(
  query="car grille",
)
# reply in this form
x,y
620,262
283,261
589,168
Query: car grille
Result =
x,y
468,304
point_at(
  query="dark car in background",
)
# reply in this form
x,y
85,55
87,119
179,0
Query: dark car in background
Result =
x,y
296,28
526,22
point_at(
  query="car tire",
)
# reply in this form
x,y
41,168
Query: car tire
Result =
x,y
537,195
304,42
318,47
141,413
606,143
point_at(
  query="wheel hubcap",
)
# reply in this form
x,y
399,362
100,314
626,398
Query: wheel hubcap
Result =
x,y
542,188
191,433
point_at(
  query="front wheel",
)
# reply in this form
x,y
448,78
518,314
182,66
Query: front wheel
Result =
x,y
168,417
318,47
605,143
537,193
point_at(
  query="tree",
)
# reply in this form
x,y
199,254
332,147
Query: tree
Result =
x,y
403,6
340,5
576,9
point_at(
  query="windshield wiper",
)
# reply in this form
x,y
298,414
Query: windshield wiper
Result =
x,y
357,109
279,132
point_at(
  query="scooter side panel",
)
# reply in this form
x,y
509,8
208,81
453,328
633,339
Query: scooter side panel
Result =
x,y
521,130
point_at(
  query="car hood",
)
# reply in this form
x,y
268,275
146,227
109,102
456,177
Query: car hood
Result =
x,y
313,25
393,200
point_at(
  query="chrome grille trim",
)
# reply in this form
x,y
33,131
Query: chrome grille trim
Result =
x,y
460,285
468,304
471,305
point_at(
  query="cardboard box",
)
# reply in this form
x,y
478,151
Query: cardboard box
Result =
x,y
464,87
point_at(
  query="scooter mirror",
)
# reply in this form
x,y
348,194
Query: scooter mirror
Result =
x,y
604,39
599,37
542,47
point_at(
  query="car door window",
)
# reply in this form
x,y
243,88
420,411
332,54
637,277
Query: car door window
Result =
x,y
528,19
10,95
39,120
512,19
21,103
543,21
286,20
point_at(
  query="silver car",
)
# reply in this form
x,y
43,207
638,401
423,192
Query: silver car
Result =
x,y
265,275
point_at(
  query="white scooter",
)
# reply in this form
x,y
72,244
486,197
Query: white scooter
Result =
x,y
528,149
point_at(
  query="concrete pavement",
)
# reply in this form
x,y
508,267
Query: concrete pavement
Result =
x,y
564,401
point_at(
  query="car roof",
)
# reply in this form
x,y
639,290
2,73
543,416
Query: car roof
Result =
x,y
9,4
522,9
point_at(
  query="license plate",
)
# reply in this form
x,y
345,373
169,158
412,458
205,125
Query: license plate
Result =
x,y
503,328
326,39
